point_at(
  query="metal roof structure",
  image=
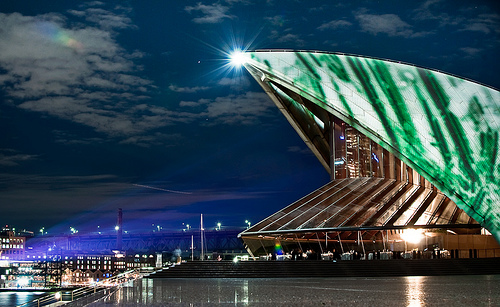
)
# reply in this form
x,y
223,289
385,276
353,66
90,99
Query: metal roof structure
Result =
x,y
432,135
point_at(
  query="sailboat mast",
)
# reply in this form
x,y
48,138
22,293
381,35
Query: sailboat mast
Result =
x,y
201,234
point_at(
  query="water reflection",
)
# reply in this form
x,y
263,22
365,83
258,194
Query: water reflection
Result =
x,y
414,291
393,291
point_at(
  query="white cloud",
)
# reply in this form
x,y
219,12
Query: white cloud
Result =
x,y
9,157
105,19
194,89
286,38
245,109
235,82
300,150
485,23
189,104
389,24
471,51
277,20
214,13
77,73
335,24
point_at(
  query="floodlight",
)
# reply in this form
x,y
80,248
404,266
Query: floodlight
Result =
x,y
237,58
412,235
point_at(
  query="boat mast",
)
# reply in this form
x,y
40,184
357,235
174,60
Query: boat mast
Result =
x,y
201,234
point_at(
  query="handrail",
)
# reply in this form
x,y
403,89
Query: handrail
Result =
x,y
113,281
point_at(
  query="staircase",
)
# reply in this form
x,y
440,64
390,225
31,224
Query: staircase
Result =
x,y
311,268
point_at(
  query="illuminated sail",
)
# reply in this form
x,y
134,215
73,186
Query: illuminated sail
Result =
x,y
444,127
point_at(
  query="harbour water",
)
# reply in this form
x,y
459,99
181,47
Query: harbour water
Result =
x,y
16,298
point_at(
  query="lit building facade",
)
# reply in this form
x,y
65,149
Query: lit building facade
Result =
x,y
406,148
12,245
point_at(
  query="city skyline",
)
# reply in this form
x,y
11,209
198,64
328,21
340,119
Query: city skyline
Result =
x,y
108,106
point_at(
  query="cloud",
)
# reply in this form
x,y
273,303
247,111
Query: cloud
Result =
x,y
78,73
286,38
236,82
389,24
246,109
485,23
469,18
335,24
215,13
300,150
277,21
105,19
153,139
471,51
9,157
195,89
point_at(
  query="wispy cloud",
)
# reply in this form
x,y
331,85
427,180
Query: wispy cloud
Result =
x,y
485,23
389,24
300,150
286,38
78,73
10,157
277,21
194,89
246,109
335,24
214,13
471,51
105,19
235,82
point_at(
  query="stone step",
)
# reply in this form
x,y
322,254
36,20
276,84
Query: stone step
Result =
x,y
355,268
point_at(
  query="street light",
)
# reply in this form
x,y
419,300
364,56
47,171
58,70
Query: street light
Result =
x,y
248,223
218,226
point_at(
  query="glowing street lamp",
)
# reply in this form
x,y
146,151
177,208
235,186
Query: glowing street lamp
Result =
x,y
248,223
73,230
117,227
218,226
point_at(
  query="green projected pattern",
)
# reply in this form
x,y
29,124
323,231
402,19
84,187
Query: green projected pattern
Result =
x,y
444,127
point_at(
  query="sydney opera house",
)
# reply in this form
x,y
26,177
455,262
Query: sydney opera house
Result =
x,y
412,155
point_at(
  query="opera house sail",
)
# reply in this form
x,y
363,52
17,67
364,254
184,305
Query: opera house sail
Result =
x,y
406,147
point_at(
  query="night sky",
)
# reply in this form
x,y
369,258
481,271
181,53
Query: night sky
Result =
x,y
132,104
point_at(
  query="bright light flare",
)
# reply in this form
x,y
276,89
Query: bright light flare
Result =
x,y
23,281
237,58
412,235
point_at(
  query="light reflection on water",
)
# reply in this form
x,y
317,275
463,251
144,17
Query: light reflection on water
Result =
x,y
18,298
414,291
388,291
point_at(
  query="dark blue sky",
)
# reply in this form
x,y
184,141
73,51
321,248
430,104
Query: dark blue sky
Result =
x,y
99,99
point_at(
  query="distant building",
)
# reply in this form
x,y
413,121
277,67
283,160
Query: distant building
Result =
x,y
80,268
13,246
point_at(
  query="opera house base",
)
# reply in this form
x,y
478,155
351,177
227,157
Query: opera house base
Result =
x,y
324,268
